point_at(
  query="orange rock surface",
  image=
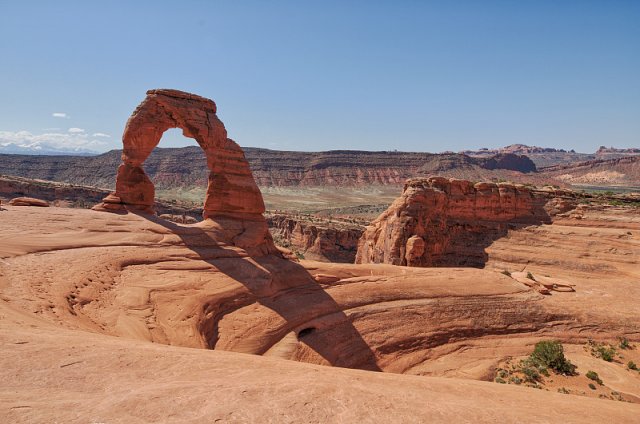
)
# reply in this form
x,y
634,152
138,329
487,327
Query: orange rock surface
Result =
x,y
28,201
144,279
447,222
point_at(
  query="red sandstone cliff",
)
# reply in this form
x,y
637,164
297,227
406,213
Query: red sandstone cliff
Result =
x,y
320,240
447,222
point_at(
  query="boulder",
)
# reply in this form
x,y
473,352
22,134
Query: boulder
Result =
x,y
28,201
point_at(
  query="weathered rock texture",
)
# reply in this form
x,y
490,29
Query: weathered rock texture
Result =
x,y
28,201
447,222
321,241
231,187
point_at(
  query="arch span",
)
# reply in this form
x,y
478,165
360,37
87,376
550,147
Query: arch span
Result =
x,y
231,188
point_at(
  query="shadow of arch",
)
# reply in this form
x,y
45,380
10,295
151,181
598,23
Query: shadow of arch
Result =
x,y
231,187
286,288
234,236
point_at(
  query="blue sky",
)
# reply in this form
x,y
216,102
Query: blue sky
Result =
x,y
302,75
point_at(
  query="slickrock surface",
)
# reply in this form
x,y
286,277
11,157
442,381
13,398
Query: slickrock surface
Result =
x,y
231,187
447,222
54,375
145,279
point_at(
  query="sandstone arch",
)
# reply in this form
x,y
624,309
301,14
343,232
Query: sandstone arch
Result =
x,y
231,188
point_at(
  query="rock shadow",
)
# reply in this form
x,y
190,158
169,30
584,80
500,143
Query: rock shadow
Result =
x,y
461,242
286,288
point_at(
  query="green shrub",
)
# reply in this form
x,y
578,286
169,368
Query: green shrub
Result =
x,y
530,276
632,366
563,390
600,350
549,353
500,380
531,374
592,375
592,386
606,353
624,343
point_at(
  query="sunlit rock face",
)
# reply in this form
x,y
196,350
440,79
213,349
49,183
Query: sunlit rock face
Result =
x,y
447,222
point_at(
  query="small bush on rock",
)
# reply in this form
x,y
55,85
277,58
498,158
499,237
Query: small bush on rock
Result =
x,y
592,375
550,353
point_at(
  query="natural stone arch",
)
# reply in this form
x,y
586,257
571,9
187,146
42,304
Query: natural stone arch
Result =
x,y
231,188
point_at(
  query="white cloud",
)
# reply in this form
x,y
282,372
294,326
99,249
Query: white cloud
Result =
x,y
101,135
71,141
76,130
60,115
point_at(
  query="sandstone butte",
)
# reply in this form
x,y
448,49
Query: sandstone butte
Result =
x,y
447,222
127,317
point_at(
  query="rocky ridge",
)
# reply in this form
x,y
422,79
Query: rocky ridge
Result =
x,y
448,222
315,238
622,171
186,167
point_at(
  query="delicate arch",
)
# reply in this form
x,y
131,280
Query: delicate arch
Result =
x,y
231,187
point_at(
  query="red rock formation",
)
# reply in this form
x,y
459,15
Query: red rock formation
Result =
x,y
28,201
231,187
438,221
233,205
320,241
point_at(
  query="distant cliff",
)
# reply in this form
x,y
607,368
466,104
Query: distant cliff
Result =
x,y
315,238
624,171
186,167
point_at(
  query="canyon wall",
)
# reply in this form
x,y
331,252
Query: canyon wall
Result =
x,y
320,240
447,222
186,167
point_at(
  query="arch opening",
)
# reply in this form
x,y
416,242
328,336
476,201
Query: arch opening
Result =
x,y
172,180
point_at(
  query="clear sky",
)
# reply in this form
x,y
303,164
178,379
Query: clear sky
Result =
x,y
321,75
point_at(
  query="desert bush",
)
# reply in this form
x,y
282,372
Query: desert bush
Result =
x,y
600,350
592,375
550,354
531,374
592,386
563,390
632,366
624,343
530,276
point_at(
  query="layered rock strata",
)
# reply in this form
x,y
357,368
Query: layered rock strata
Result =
x,y
322,241
447,222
